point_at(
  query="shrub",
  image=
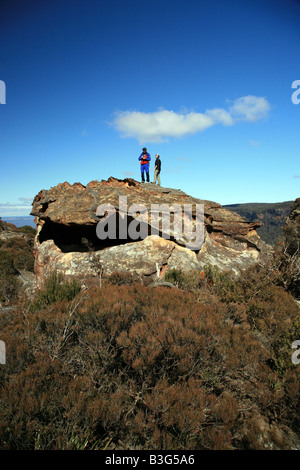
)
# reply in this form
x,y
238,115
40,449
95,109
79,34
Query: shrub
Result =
x,y
210,278
27,229
7,267
8,282
120,278
19,251
55,289
24,261
151,368
9,288
175,276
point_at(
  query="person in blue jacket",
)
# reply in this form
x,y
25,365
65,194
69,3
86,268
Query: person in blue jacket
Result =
x,y
145,158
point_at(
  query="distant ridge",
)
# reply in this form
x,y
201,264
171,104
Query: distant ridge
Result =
x,y
271,215
20,221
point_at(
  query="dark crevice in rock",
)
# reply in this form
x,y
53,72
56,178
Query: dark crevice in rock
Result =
x,y
84,238
45,206
209,228
77,238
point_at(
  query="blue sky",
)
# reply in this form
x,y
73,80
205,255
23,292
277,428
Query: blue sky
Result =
x,y
206,84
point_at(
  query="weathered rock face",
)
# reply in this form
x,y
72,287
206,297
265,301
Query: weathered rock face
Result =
x,y
292,248
271,215
292,229
68,219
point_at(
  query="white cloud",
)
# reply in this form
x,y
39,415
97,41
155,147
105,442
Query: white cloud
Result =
x,y
183,159
163,124
250,108
160,125
254,143
221,116
11,209
14,209
170,169
26,200
128,174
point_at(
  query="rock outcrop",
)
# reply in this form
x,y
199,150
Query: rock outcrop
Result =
x,y
68,217
292,229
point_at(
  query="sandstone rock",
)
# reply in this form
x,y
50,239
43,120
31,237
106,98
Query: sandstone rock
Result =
x,y
271,215
292,229
67,217
9,232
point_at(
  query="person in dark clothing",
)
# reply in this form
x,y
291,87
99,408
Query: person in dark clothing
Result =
x,y
145,158
157,169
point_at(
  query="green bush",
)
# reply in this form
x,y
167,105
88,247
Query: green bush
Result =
x,y
55,289
24,261
175,276
210,277
18,253
9,284
27,229
9,288
7,267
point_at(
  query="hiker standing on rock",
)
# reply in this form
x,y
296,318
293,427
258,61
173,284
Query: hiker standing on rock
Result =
x,y
145,158
157,169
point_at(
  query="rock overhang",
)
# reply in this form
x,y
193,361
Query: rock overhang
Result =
x,y
67,214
